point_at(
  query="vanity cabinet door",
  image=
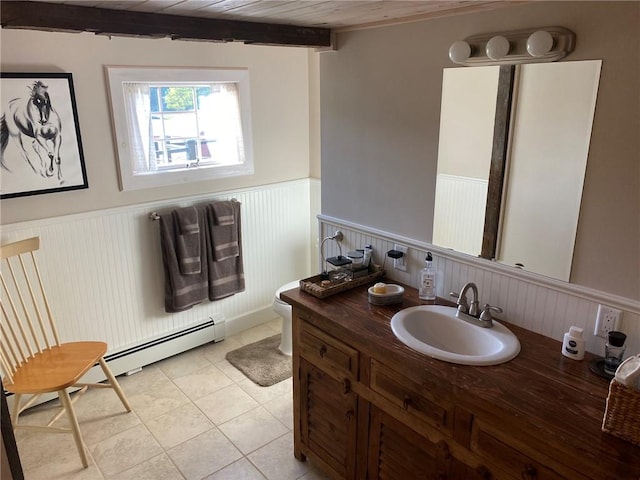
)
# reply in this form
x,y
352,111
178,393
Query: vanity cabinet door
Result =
x,y
501,451
397,452
328,420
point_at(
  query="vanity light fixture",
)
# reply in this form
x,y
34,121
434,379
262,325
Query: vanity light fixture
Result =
x,y
546,44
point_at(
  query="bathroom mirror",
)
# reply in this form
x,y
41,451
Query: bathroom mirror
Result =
x,y
527,129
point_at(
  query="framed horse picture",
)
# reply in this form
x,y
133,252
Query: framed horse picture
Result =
x,y
40,145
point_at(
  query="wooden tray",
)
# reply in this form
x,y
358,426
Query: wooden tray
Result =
x,y
312,285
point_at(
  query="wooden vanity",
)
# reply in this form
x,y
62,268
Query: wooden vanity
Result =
x,y
368,407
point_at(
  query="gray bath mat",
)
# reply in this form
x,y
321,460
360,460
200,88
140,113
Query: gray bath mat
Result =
x,y
262,362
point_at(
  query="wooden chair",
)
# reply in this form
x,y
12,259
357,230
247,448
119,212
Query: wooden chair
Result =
x,y
33,359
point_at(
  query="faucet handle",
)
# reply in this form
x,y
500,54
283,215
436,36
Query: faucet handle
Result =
x,y
485,315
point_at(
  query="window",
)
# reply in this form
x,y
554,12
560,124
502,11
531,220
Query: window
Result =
x,y
178,125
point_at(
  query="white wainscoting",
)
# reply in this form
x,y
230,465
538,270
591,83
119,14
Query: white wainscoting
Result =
x,y
104,275
535,302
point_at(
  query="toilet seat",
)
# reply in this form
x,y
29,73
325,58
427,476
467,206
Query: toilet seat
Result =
x,y
284,288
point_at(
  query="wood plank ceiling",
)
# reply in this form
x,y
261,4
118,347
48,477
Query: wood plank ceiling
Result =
x,y
280,22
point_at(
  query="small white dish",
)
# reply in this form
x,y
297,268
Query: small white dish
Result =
x,y
392,295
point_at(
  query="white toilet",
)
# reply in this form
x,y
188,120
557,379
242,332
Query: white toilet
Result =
x,y
284,310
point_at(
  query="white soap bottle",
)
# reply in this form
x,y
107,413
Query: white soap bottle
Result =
x,y
427,286
573,345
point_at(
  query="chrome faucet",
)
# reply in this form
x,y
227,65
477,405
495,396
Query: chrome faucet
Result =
x,y
463,306
471,313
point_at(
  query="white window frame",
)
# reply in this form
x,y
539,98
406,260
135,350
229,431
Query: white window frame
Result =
x,y
117,75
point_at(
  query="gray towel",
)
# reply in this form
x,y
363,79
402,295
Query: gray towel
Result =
x,y
226,276
224,236
223,212
188,220
181,291
188,240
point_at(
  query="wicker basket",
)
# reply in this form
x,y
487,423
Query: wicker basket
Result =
x,y
622,414
313,285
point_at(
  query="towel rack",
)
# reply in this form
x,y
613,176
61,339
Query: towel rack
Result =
x,y
154,215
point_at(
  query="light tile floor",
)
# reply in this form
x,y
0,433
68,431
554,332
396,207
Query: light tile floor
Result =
x,y
195,417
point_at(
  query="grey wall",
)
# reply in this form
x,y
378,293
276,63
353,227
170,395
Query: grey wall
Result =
x,y
380,108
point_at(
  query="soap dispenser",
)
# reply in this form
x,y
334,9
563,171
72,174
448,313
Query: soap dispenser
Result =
x,y
427,286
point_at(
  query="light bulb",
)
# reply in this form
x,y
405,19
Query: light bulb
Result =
x,y
497,48
459,51
539,43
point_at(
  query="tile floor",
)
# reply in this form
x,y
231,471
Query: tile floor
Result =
x,y
194,417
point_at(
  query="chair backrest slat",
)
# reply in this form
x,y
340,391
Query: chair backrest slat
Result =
x,y
23,302
20,327
7,366
7,346
34,300
52,324
27,326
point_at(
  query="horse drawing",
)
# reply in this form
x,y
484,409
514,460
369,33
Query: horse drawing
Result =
x,y
34,123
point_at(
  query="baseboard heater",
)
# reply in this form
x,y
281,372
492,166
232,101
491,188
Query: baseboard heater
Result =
x,y
212,330
134,358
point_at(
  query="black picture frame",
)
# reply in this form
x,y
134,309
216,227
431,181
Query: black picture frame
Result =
x,y
40,142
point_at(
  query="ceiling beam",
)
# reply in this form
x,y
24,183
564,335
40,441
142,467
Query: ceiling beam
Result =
x,y
103,21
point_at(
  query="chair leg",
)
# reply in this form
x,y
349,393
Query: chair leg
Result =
x,y
114,384
75,428
15,411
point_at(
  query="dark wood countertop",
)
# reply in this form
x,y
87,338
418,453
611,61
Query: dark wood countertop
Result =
x,y
553,401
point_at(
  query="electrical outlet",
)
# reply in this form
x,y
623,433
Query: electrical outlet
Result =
x,y
400,263
606,320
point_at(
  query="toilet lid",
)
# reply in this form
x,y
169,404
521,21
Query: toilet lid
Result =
x,y
288,286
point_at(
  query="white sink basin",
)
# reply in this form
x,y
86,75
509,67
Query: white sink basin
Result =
x,y
435,331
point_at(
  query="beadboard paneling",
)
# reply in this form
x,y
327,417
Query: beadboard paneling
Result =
x,y
528,300
104,275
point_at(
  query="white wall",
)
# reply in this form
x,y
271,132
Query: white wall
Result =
x,y
279,79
